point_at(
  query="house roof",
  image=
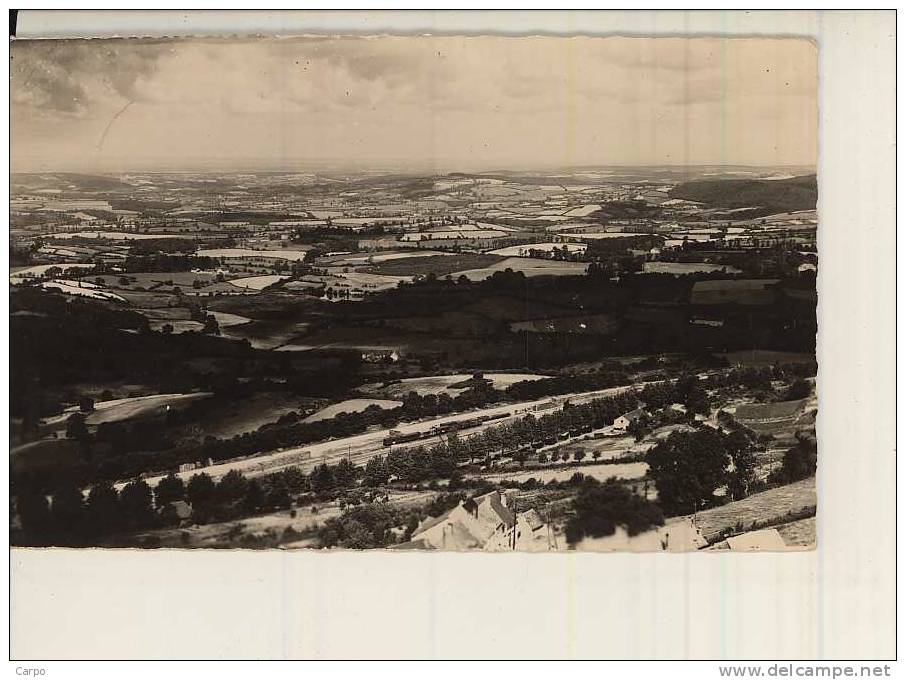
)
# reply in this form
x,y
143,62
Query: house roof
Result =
x,y
634,415
458,537
431,522
417,544
533,519
458,533
764,539
493,500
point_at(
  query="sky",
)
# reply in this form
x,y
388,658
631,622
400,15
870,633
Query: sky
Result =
x,y
441,103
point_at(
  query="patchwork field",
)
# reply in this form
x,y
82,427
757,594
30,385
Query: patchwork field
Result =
x,y
680,268
226,320
257,282
608,448
774,418
595,235
147,299
112,235
525,249
351,406
443,384
131,407
72,288
19,274
45,454
178,325
376,258
353,322
528,266
294,255
228,419
264,334
187,283
440,265
362,280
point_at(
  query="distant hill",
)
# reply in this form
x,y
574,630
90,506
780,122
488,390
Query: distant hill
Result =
x,y
779,195
66,180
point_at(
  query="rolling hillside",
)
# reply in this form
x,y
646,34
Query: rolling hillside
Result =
x,y
796,193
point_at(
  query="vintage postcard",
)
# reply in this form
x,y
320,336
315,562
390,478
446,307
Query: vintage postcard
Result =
x,y
414,293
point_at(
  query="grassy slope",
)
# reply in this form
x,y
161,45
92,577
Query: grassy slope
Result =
x,y
797,193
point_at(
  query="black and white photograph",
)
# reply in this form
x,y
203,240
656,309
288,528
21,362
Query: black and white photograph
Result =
x,y
436,335
414,293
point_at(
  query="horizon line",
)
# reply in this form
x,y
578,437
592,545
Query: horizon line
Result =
x,y
376,167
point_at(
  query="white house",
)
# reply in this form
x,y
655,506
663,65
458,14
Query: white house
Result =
x,y
482,523
623,422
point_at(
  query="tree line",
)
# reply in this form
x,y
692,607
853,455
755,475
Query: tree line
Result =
x,y
66,516
516,437
290,430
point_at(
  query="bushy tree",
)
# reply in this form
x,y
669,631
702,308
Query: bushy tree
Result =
x,y
601,508
295,480
376,472
77,430
800,389
103,509
742,475
322,479
800,461
171,488
67,510
442,462
344,473
136,504
232,487
201,490
693,395
211,327
254,496
688,467
361,527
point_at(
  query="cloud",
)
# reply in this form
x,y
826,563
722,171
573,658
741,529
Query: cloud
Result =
x,y
63,76
586,100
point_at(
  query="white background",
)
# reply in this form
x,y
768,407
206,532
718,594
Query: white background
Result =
x,y
835,602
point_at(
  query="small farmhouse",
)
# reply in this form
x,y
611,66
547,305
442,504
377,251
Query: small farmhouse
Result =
x,y
623,422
